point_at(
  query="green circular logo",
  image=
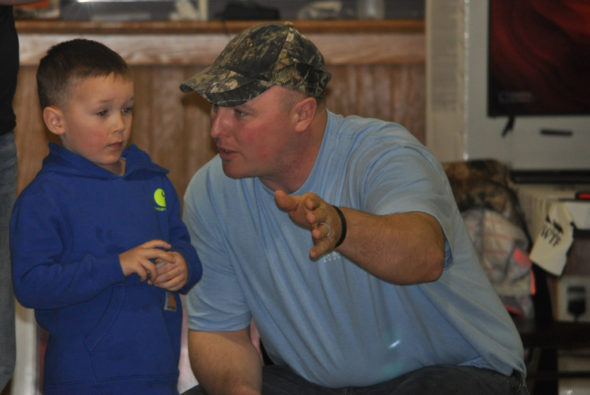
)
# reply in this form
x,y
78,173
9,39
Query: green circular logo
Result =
x,y
160,198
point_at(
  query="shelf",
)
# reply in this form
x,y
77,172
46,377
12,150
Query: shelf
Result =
x,y
343,42
204,27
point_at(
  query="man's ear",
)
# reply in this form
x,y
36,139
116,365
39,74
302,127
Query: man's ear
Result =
x,y
305,111
54,120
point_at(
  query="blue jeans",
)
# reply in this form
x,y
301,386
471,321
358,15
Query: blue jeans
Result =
x,y
438,379
7,196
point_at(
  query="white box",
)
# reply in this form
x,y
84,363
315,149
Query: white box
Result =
x,y
570,290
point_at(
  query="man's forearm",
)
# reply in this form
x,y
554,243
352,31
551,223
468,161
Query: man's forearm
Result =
x,y
225,362
403,248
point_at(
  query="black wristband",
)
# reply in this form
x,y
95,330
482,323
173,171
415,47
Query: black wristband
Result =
x,y
342,226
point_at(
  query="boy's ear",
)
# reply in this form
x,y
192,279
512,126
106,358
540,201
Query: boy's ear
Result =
x,y
54,120
305,112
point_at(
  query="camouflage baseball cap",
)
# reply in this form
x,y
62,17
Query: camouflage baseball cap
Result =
x,y
258,58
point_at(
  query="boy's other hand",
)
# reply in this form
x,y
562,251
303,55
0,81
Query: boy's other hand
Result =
x,y
172,274
139,260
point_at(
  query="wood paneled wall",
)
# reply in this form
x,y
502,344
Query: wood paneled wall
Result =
x,y
376,72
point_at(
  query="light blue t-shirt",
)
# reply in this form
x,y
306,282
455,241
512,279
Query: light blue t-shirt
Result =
x,y
329,320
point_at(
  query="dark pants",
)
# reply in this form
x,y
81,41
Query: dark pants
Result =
x,y
8,175
439,380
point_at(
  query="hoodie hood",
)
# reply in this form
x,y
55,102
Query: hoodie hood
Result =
x,y
63,161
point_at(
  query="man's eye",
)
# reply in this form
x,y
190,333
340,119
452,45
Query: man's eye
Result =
x,y
239,113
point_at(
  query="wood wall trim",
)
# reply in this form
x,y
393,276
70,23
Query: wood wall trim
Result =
x,y
206,27
198,49
194,43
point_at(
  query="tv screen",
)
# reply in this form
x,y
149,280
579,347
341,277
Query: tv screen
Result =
x,y
539,57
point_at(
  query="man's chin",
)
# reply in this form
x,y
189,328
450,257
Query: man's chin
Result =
x,y
232,173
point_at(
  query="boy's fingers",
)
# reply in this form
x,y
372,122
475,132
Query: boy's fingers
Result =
x,y
173,284
150,269
163,268
142,274
156,253
156,244
168,275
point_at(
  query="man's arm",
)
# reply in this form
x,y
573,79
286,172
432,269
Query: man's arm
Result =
x,y
407,248
225,362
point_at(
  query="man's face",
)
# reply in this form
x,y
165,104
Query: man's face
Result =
x,y
257,138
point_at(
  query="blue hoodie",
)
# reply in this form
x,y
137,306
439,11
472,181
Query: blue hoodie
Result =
x,y
107,333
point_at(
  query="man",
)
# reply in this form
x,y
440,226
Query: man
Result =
x,y
340,238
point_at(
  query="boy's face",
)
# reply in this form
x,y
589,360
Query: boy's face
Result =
x,y
97,120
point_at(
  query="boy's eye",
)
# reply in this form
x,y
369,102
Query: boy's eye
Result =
x,y
127,110
102,113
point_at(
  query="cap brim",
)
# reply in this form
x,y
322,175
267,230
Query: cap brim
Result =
x,y
224,87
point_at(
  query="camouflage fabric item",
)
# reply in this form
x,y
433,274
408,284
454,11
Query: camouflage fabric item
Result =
x,y
258,58
484,183
496,225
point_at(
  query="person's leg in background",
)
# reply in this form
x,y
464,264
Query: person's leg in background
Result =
x,y
8,177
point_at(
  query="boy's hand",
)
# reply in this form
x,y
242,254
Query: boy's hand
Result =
x,y
138,260
172,274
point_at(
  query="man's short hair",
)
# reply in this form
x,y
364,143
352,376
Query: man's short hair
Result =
x,y
258,58
73,60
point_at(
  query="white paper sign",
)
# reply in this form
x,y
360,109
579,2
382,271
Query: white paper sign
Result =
x,y
550,248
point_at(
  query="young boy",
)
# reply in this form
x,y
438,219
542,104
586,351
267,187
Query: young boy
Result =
x,y
98,246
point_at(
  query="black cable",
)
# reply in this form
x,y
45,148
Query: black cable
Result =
x,y
509,126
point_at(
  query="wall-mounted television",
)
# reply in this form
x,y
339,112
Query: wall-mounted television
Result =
x,y
539,57
526,43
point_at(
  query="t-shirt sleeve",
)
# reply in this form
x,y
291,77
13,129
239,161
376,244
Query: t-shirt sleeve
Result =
x,y
216,302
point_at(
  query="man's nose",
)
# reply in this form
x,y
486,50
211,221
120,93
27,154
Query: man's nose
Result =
x,y
220,119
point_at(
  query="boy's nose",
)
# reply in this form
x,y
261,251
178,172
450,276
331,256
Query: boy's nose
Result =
x,y
120,122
